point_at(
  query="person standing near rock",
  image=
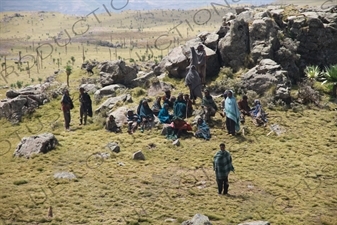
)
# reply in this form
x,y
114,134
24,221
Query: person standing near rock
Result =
x,y
201,55
232,114
222,165
67,105
193,82
85,106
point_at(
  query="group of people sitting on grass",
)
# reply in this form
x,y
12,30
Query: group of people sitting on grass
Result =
x,y
175,110
172,112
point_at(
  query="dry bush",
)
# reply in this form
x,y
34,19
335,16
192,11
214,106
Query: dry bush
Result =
x,y
306,94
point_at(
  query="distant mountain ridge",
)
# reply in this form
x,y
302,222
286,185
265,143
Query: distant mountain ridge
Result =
x,y
84,7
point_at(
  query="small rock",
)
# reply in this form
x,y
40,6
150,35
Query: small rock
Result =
x,y
102,155
114,147
138,156
170,220
64,175
198,219
176,142
120,164
256,223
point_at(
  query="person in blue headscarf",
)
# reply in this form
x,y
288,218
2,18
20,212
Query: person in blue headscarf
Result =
x,y
179,107
259,116
164,116
232,114
145,113
203,130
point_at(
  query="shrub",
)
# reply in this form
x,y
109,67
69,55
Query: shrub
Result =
x,y
330,77
20,182
136,92
19,84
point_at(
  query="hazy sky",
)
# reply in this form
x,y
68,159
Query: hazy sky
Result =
x,y
83,6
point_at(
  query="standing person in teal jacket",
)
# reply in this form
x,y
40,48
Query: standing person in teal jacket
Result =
x,y
222,166
232,114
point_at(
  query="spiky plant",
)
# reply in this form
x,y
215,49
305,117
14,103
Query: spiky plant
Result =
x,y
312,72
330,77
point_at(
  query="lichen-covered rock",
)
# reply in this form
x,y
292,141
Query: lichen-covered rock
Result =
x,y
42,143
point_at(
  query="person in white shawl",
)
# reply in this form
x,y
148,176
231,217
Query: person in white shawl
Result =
x,y
193,81
232,114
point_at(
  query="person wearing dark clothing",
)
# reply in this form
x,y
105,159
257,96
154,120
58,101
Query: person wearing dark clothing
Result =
x,y
85,106
193,82
189,105
209,106
222,165
111,125
145,113
167,98
67,105
133,121
244,108
156,107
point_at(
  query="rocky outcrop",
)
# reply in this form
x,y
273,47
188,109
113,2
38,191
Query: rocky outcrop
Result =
x,y
21,102
178,59
263,39
116,72
42,143
263,76
234,47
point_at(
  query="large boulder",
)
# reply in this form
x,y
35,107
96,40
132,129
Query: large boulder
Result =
x,y
120,115
263,76
110,90
14,109
89,88
198,219
111,102
234,47
263,39
178,59
42,143
143,81
159,88
116,72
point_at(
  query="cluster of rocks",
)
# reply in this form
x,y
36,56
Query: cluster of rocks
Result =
x,y
21,102
24,101
255,38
